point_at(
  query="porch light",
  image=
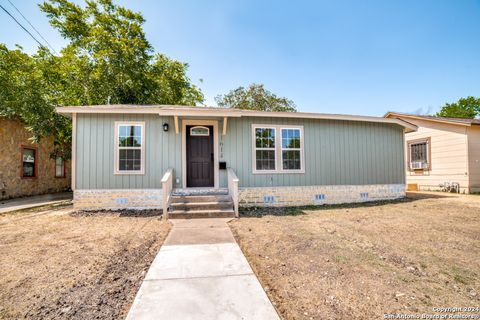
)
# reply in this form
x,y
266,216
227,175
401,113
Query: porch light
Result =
x,y
165,127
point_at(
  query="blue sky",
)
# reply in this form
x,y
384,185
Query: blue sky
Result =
x,y
353,57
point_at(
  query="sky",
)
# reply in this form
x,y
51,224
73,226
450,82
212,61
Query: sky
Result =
x,y
349,57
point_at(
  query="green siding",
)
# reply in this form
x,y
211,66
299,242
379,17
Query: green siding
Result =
x,y
95,152
336,152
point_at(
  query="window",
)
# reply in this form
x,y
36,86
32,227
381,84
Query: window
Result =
x,y
59,168
130,155
419,154
29,169
291,149
277,149
199,131
265,153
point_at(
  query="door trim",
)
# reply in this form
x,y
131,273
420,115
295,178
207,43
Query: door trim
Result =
x,y
213,123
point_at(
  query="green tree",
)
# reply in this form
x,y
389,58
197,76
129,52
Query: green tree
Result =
x,y
468,107
26,95
255,97
107,58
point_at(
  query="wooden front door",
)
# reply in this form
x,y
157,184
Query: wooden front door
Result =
x,y
200,156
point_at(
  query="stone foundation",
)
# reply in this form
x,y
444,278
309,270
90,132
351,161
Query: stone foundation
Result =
x,y
137,199
318,195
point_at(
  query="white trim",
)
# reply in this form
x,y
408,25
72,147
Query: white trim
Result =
x,y
278,149
427,154
116,170
199,134
171,110
74,150
254,148
224,132
213,123
302,150
175,119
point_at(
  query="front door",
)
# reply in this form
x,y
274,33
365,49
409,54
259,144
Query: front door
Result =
x,y
200,156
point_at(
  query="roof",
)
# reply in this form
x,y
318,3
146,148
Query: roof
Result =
x,y
457,121
173,110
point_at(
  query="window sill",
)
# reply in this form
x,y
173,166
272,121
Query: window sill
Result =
x,y
128,173
280,172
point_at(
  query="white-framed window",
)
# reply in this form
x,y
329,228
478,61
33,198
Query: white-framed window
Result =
x,y
419,154
59,167
291,149
199,131
265,152
277,149
129,147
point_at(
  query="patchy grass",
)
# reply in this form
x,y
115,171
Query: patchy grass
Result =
x,y
362,261
55,264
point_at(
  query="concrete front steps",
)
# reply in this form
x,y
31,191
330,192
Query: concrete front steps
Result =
x,y
201,206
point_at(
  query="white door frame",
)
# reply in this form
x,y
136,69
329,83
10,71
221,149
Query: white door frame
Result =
x,y
213,123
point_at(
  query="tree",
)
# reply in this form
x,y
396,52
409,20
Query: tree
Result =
x,y
468,107
255,97
26,95
107,59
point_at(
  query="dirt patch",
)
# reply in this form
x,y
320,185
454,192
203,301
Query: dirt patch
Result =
x,y
362,261
58,264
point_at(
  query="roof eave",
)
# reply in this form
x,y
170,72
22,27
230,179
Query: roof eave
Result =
x,y
394,115
232,113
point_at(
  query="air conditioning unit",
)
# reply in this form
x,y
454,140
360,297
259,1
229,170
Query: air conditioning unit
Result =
x,y
418,165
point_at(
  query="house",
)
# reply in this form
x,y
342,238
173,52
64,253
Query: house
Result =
x,y
159,156
443,154
27,168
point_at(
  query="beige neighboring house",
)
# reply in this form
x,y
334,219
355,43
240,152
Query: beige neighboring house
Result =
x,y
26,168
442,152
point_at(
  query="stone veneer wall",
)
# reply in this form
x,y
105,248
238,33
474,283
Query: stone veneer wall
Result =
x,y
13,136
141,199
137,199
318,195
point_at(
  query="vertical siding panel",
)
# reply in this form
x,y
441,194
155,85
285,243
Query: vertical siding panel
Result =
x,y
336,152
80,165
88,160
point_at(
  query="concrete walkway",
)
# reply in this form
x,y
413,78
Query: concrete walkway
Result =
x,y
201,273
33,201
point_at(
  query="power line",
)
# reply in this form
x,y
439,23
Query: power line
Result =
x,y
31,25
31,35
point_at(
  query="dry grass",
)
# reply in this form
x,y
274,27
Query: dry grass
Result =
x,y
55,264
359,262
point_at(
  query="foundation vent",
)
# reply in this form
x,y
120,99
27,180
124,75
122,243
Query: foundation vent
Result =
x,y
269,199
364,195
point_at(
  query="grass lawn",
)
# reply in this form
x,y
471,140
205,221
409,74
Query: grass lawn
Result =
x,y
362,261
55,264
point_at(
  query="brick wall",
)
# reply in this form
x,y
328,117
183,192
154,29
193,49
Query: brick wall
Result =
x,y
13,136
139,199
318,195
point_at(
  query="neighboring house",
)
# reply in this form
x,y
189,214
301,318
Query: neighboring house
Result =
x,y
27,168
122,155
443,152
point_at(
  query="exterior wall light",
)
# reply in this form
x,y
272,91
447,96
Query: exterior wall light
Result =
x,y
165,127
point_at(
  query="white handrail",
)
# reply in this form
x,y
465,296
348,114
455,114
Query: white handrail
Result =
x,y
167,186
233,188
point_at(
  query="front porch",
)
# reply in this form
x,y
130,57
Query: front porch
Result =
x,y
187,203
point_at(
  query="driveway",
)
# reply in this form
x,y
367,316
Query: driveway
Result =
x,y
33,201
